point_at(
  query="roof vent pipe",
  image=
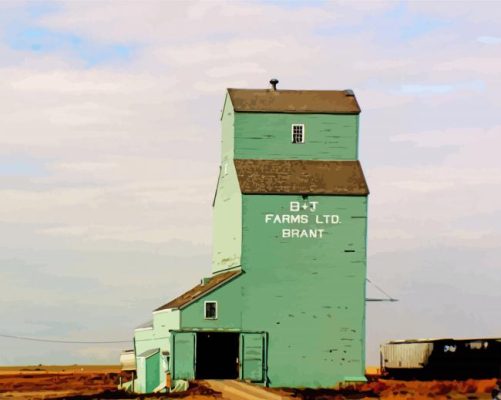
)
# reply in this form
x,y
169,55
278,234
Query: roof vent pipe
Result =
x,y
274,83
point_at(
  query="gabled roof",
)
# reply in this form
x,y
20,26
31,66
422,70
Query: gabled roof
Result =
x,y
294,101
200,290
301,177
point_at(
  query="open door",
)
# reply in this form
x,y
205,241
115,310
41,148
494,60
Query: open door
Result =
x,y
253,357
184,355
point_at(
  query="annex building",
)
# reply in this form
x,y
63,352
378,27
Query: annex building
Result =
x,y
284,305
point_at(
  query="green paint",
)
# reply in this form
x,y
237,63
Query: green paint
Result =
x,y
148,367
157,336
184,355
229,309
227,217
152,372
252,357
304,272
227,209
268,136
227,122
307,293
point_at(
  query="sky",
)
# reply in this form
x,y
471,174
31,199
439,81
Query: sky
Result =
x,y
109,154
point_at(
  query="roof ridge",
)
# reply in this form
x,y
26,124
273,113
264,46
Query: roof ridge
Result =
x,y
200,290
294,101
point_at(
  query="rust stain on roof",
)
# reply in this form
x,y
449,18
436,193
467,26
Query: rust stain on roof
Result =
x,y
301,177
200,290
294,101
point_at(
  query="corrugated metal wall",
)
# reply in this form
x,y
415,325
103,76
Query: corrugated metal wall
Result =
x,y
405,355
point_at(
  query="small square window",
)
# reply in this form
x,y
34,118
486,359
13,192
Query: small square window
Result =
x,y
210,309
297,131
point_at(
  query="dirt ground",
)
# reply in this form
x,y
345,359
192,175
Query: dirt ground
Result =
x,y
408,390
85,382
77,382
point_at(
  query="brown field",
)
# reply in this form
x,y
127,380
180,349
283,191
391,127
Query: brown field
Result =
x,y
408,390
85,382
76,382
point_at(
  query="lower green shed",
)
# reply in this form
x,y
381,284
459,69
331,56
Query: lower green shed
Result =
x,y
148,371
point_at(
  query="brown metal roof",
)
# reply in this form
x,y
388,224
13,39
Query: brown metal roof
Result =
x,y
200,290
294,101
301,177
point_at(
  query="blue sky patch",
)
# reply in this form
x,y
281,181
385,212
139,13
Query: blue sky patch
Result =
x,y
44,41
12,166
489,39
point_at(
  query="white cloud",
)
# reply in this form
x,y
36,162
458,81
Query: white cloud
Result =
x,y
476,137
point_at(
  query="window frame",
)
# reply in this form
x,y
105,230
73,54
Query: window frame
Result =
x,y
303,131
215,309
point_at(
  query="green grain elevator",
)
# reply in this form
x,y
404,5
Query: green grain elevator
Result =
x,y
285,303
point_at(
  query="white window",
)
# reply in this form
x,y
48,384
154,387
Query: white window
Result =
x,y
210,309
297,131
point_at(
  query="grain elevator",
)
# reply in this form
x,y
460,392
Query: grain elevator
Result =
x,y
284,305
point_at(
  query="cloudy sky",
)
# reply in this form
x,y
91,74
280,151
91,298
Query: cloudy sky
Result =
x,y
109,148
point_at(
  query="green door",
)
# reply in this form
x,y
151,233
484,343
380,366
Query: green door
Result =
x,y
253,356
152,372
183,350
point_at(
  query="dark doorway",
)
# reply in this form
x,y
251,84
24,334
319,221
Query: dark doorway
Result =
x,y
217,355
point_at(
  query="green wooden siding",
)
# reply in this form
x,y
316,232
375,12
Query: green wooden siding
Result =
x,y
183,352
152,372
304,272
227,121
227,220
229,309
227,209
268,136
309,294
148,372
158,336
252,356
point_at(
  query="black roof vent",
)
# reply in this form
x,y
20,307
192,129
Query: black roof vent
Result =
x,y
274,83
349,92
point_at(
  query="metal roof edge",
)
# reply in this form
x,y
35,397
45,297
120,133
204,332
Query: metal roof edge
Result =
x,y
165,310
227,95
213,288
296,112
149,353
229,279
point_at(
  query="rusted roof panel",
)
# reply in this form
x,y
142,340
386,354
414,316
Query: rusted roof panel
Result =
x,y
294,101
200,290
301,177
